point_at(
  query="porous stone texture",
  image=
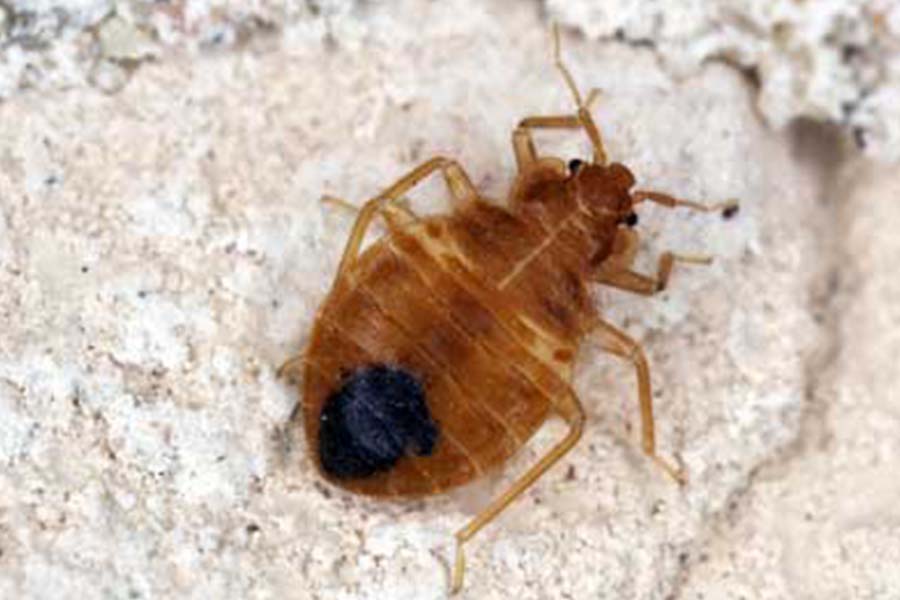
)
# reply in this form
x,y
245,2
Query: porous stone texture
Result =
x,y
163,250
833,60
822,520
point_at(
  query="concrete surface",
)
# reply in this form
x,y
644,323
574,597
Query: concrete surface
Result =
x,y
162,250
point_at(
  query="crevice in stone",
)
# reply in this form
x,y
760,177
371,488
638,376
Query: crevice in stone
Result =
x,y
824,148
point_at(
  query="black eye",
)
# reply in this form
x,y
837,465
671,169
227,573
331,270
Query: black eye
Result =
x,y
574,165
631,220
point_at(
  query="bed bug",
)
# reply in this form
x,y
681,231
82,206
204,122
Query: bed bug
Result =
x,y
445,345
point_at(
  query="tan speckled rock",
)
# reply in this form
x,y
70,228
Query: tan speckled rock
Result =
x,y
162,250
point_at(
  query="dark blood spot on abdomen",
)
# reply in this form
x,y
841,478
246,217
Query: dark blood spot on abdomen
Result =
x,y
377,416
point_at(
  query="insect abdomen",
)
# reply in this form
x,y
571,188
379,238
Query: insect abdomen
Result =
x,y
482,404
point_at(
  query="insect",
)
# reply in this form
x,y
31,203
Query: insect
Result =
x,y
445,345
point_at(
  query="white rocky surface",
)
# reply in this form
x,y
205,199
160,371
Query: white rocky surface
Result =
x,y
831,60
162,250
822,520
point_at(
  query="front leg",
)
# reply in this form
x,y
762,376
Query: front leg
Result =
x,y
632,281
523,144
523,139
616,270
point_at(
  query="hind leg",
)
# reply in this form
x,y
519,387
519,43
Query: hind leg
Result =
x,y
573,413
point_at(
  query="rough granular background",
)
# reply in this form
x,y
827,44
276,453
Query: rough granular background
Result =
x,y
163,250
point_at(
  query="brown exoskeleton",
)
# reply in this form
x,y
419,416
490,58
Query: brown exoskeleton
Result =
x,y
445,345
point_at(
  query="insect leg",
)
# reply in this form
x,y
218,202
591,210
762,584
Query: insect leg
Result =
x,y
458,182
584,113
625,248
363,219
616,269
291,366
523,142
339,202
616,342
395,212
576,427
625,279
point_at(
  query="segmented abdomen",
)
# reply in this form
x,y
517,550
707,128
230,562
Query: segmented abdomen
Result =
x,y
415,301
